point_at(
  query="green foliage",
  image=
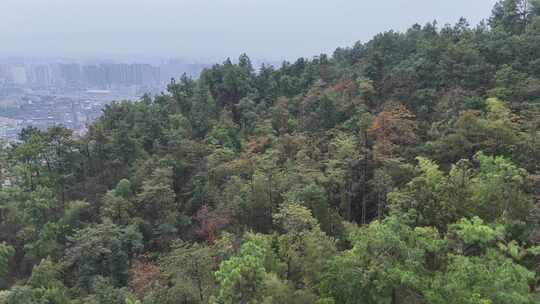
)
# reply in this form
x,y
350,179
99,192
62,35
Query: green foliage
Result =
x,y
102,250
189,268
241,278
425,197
105,292
500,189
496,191
315,198
388,259
294,218
20,295
303,248
393,262
511,15
46,284
157,205
6,253
400,170
491,278
45,275
474,232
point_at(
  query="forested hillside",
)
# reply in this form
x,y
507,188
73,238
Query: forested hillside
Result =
x,y
401,170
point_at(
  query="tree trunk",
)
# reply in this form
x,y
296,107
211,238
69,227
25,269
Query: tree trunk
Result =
x,y
395,296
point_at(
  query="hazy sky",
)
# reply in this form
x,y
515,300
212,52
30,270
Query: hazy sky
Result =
x,y
212,29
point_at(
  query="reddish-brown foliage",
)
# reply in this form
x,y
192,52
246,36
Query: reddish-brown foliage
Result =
x,y
209,223
281,115
144,275
394,126
347,87
289,145
258,144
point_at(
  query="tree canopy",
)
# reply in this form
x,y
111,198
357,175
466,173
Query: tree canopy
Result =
x,y
400,170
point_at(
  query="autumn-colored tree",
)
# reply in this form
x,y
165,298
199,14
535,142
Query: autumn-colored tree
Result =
x,y
210,221
144,275
296,183
394,127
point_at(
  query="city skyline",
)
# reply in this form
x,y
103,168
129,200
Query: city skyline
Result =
x,y
72,93
211,30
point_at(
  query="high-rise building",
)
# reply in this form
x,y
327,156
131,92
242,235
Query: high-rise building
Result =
x,y
70,73
109,74
18,75
94,76
42,75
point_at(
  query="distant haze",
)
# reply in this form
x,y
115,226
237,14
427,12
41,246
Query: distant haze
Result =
x,y
212,29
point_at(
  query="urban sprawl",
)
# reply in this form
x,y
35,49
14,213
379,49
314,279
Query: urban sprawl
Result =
x,y
72,94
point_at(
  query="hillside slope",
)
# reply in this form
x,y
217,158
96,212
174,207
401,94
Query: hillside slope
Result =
x,y
401,170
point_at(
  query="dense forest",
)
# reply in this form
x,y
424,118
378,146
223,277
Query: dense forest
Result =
x,y
401,170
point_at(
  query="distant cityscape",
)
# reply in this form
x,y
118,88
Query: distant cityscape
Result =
x,y
43,93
